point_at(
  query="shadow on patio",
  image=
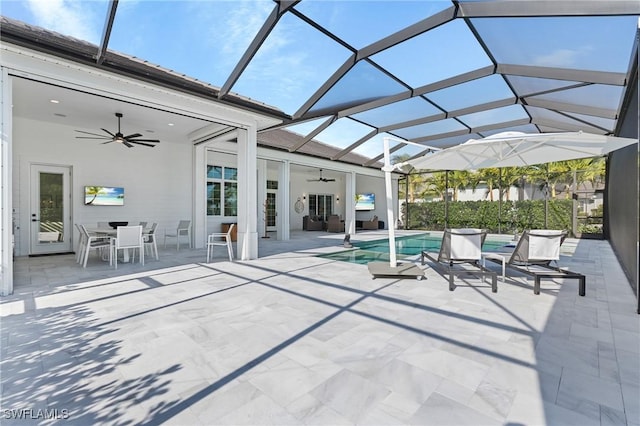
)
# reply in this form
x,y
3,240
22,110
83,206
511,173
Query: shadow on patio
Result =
x,y
318,341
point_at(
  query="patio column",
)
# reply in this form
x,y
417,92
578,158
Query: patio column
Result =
x,y
284,201
349,203
6,222
262,196
247,245
199,229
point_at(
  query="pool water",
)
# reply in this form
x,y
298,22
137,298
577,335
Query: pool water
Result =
x,y
408,246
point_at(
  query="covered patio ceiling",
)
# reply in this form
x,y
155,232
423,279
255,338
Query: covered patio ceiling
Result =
x,y
349,73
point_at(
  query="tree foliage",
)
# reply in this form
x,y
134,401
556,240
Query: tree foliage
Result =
x,y
512,216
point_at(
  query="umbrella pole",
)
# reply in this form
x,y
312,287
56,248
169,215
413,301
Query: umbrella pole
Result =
x,y
394,269
446,199
546,200
393,263
406,203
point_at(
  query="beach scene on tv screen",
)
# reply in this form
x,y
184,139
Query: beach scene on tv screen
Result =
x,y
103,196
365,202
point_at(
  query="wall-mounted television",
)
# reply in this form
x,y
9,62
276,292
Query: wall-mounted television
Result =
x,y
366,201
103,196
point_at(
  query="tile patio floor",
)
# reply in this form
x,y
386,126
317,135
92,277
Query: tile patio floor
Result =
x,y
295,339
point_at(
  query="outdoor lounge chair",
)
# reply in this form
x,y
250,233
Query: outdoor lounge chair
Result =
x,y
334,224
460,254
312,223
370,224
533,254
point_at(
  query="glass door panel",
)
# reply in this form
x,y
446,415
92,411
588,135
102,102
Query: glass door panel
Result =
x,y
50,223
271,211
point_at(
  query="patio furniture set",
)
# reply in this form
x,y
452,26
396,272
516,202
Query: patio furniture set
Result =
x,y
110,238
535,255
335,224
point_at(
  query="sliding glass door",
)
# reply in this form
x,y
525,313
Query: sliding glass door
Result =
x,y
321,205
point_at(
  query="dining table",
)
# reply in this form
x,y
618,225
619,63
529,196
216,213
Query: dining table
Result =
x,y
112,233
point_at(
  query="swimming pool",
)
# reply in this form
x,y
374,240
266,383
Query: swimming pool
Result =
x,y
407,246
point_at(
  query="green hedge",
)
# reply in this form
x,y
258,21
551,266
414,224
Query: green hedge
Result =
x,y
516,215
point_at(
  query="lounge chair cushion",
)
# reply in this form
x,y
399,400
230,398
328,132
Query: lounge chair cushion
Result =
x,y
466,244
544,244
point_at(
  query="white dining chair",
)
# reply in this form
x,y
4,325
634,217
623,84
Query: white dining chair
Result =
x,y
80,245
220,239
93,242
150,240
128,238
183,229
82,242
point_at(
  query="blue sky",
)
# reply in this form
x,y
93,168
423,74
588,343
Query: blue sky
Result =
x,y
204,39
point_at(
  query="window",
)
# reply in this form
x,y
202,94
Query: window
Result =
x,y
270,207
222,191
321,205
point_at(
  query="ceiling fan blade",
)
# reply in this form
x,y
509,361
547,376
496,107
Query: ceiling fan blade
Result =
x,y
109,141
95,138
127,144
143,140
105,130
89,133
142,143
135,135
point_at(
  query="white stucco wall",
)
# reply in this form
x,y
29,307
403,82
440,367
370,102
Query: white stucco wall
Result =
x,y
157,181
375,185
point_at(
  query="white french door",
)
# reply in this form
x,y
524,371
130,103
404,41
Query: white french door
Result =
x,y
271,210
50,210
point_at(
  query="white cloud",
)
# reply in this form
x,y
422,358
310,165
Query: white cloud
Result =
x,y
244,21
68,17
561,57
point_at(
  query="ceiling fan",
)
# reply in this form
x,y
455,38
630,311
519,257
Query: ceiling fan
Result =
x,y
321,179
119,137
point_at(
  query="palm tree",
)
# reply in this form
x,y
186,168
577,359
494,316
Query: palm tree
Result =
x,y
534,175
458,180
572,168
595,172
399,158
490,177
93,190
417,184
546,175
509,176
557,175
435,184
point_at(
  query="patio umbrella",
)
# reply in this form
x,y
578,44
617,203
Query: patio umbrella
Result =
x,y
517,149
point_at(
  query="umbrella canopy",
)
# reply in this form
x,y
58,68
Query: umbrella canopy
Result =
x,y
519,149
